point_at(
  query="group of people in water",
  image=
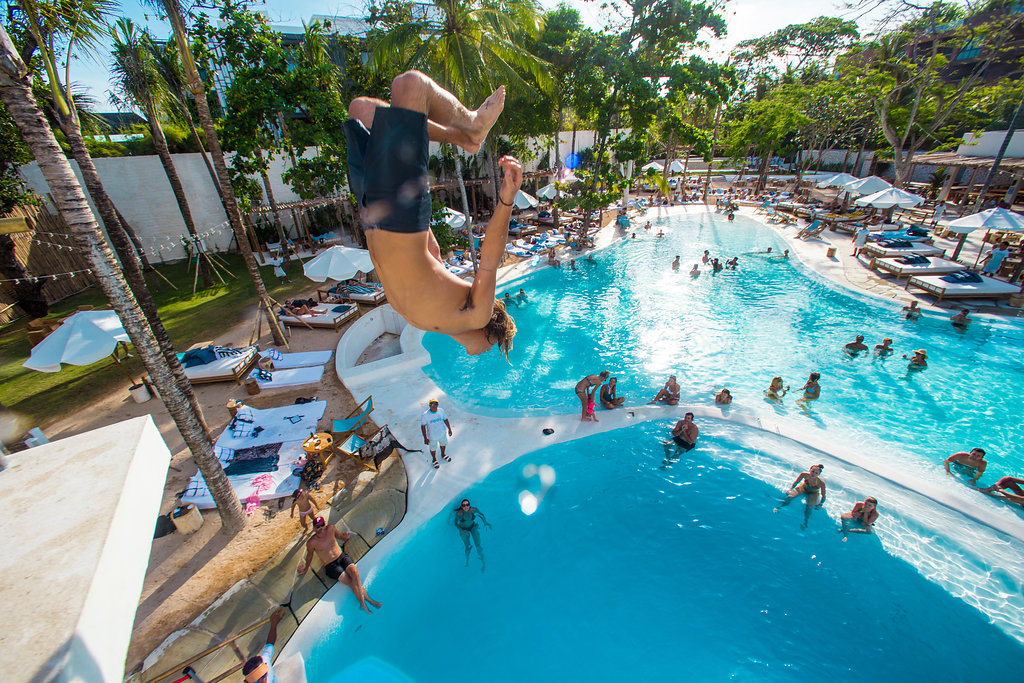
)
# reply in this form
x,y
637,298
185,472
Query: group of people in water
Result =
x,y
860,520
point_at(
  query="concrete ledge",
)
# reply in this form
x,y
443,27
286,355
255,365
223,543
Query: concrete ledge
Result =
x,y
364,331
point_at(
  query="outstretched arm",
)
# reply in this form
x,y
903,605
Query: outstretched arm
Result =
x,y
821,501
485,282
304,565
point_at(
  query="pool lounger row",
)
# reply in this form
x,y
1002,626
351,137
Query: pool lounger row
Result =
x,y
878,251
988,288
324,318
935,266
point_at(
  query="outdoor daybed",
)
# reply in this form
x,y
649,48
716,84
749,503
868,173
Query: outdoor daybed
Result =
x,y
987,288
931,265
327,317
878,251
218,364
369,293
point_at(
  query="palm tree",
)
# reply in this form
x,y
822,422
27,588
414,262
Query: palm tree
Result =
x,y
16,94
469,50
195,86
135,74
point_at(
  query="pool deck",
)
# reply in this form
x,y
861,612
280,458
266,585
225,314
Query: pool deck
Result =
x,y
481,444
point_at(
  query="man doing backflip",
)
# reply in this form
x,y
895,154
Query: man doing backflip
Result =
x,y
387,163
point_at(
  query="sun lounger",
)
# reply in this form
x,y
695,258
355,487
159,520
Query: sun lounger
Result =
x,y
328,316
878,251
286,361
934,266
234,367
988,288
812,230
369,293
294,377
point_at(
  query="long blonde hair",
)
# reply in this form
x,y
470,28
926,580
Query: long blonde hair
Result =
x,y
501,328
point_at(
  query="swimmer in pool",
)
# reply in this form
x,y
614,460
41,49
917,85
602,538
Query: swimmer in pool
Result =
x,y
856,346
669,393
723,397
695,271
860,519
885,348
585,390
911,312
961,320
775,390
1001,489
919,361
810,485
675,264
972,464
684,436
812,390
706,258
521,297
465,522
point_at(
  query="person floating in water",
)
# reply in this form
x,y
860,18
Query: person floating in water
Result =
x,y
911,312
675,264
387,165
810,485
521,297
885,348
859,520
856,346
465,522
706,258
684,436
961,320
971,464
695,271
723,397
919,361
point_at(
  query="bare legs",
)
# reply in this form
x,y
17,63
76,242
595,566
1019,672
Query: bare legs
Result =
x,y
811,501
447,119
351,579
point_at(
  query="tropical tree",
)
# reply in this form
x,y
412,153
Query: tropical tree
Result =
x,y
469,49
176,16
16,94
137,78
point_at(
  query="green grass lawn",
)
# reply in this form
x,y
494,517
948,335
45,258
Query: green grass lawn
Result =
x,y
44,397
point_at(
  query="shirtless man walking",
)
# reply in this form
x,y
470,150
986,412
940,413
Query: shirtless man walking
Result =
x,y
387,164
337,564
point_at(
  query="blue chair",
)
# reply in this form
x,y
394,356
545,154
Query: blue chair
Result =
x,y
344,428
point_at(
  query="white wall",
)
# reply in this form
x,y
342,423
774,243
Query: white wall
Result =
x,y
987,144
139,188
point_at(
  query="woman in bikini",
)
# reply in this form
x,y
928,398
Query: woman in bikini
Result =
x,y
585,389
669,393
465,522
609,400
810,485
863,515
775,390
306,504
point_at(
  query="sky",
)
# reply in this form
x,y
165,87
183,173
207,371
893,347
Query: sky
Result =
x,y
744,19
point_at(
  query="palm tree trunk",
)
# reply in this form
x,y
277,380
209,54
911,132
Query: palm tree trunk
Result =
x,y
714,141
153,282
465,208
198,90
160,143
273,207
16,94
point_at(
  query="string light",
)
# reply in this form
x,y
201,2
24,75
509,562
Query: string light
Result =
x,y
34,279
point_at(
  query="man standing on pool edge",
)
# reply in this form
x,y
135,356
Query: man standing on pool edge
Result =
x,y
387,160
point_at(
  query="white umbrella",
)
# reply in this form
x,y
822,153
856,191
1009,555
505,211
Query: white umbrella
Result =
x,y
893,197
337,263
868,185
547,192
524,201
837,180
990,219
83,339
454,219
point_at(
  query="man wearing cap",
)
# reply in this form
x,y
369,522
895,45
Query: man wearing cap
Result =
x,y
433,423
337,564
259,669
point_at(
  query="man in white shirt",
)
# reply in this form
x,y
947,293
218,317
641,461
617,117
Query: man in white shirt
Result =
x,y
860,239
260,669
434,425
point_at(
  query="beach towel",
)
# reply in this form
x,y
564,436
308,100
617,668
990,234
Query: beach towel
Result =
x,y
255,460
287,378
195,357
287,361
895,244
913,260
962,277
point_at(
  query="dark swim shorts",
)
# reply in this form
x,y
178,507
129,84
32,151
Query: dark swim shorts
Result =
x,y
387,169
337,566
682,443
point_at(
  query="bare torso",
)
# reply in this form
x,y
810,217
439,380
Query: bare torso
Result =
x,y
325,545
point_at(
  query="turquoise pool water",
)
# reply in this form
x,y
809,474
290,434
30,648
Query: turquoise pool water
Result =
x,y
628,312
637,568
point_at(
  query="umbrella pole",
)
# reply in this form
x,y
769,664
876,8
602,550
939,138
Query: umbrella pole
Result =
x,y
981,247
117,361
959,246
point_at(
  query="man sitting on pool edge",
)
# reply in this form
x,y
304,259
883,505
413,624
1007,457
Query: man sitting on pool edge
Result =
x,y
387,164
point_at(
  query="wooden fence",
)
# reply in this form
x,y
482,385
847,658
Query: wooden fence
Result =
x,y
46,248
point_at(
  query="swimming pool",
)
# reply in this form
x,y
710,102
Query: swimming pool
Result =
x,y
628,312
678,570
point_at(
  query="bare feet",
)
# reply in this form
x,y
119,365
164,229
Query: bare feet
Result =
x,y
373,602
484,118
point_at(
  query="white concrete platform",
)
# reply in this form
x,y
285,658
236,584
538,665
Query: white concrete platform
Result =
x,y
79,522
